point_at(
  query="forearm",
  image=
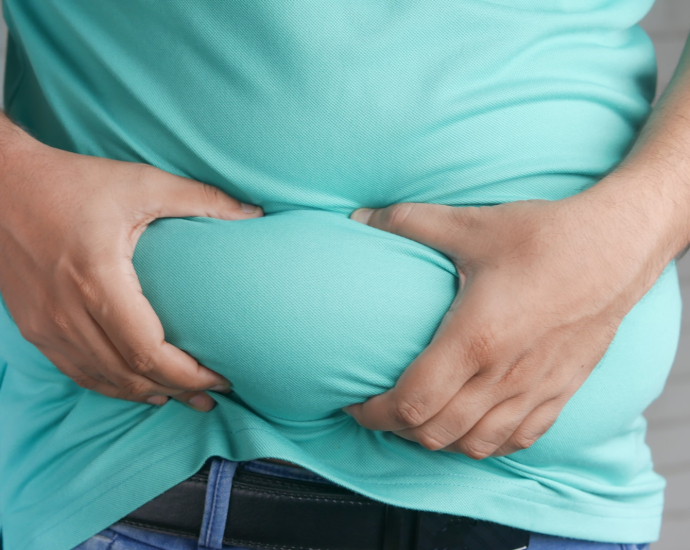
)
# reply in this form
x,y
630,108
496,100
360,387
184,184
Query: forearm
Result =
x,y
652,183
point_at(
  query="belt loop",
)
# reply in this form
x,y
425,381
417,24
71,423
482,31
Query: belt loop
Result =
x,y
217,503
400,528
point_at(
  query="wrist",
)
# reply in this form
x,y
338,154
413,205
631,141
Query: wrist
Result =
x,y
21,157
655,172
16,147
648,206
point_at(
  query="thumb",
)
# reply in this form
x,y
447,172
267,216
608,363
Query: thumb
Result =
x,y
174,196
438,226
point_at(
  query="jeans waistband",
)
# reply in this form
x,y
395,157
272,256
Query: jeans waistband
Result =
x,y
218,491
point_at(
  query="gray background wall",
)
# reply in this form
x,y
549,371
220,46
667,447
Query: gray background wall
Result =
x,y
669,417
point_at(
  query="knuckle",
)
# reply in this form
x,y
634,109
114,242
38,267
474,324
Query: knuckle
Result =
x,y
87,287
435,435
211,193
136,388
483,347
32,331
142,362
397,214
410,412
430,441
523,440
58,319
477,449
86,382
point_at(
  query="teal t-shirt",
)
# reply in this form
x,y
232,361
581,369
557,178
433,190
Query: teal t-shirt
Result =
x,y
311,109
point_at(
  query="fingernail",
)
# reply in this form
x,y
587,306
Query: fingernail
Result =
x,y
200,402
362,215
157,400
248,208
225,388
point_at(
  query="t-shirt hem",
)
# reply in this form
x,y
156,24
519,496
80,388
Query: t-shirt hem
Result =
x,y
136,484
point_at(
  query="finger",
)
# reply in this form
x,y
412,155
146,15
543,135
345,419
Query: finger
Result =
x,y
559,385
494,428
429,382
131,324
77,368
175,196
68,366
444,228
82,341
84,380
478,399
479,417
197,400
534,426
104,356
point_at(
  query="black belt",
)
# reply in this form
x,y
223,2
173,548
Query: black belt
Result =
x,y
275,513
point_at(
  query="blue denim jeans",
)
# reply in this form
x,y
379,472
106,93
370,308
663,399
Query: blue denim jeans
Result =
x,y
124,537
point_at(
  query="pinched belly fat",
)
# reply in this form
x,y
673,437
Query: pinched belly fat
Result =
x,y
303,311
307,311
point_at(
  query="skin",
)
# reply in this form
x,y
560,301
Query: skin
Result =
x,y
68,228
544,284
544,287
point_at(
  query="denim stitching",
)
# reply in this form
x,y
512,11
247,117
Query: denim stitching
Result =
x,y
216,483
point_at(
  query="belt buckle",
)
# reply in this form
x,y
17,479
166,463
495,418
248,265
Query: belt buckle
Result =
x,y
447,532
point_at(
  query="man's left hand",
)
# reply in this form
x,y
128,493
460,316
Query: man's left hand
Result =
x,y
544,286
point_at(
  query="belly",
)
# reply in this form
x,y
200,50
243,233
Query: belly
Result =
x,y
304,311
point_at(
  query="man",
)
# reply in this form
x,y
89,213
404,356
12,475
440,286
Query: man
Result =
x,y
543,284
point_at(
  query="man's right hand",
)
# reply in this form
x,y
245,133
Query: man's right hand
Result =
x,y
68,228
